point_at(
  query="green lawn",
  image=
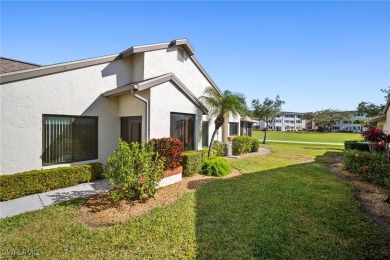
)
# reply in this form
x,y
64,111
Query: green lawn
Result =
x,y
307,136
286,205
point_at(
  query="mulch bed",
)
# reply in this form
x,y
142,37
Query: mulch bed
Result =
x,y
372,197
101,211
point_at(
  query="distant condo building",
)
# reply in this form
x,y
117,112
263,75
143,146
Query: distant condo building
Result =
x,y
285,121
292,121
351,125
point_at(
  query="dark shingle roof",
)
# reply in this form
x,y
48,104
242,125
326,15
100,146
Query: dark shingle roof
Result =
x,y
10,65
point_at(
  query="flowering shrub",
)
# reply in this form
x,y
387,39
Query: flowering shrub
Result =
x,y
136,168
371,166
377,138
171,149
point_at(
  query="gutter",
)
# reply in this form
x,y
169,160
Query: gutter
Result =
x,y
147,119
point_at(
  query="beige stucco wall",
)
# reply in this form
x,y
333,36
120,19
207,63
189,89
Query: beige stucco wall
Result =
x,y
164,99
132,106
380,124
386,125
76,92
165,61
137,67
230,118
218,135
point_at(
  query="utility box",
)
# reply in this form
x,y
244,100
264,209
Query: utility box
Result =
x,y
228,150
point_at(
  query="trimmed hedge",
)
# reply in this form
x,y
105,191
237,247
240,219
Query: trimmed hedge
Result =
x,y
255,145
245,144
193,161
26,183
371,166
241,144
216,167
218,148
356,145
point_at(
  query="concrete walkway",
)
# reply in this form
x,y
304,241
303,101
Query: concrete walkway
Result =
x,y
41,200
300,142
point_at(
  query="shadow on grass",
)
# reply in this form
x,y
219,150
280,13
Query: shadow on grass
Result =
x,y
298,211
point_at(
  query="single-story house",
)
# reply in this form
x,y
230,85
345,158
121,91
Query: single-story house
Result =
x,y
75,112
382,121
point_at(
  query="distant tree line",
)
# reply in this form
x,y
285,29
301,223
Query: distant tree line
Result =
x,y
324,119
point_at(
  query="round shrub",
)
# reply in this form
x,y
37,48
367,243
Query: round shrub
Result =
x,y
216,167
255,145
193,161
136,168
218,149
242,144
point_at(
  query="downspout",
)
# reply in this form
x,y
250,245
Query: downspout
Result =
x,y
147,119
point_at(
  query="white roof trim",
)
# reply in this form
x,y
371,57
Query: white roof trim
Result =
x,y
149,83
57,68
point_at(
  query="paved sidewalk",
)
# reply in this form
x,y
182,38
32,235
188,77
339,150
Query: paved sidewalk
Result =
x,y
41,200
300,142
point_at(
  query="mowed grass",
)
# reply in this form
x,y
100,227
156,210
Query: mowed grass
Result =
x,y
286,205
307,136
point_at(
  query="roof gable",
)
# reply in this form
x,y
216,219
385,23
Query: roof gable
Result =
x,y
34,72
152,82
153,47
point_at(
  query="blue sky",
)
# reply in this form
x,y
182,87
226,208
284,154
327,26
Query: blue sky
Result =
x,y
313,54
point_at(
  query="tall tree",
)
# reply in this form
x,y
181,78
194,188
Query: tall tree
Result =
x,y
219,105
371,109
266,111
387,92
325,118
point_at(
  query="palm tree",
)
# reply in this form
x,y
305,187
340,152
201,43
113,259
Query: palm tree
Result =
x,y
219,105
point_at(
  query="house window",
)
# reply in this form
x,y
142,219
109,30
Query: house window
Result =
x,y
180,55
246,128
131,129
233,129
183,128
69,139
205,133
